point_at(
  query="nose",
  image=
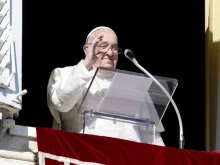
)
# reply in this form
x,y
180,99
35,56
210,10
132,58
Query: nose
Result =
x,y
110,52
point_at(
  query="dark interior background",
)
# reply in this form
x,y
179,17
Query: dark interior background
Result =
x,y
167,39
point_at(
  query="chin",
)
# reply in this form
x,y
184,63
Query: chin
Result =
x,y
109,65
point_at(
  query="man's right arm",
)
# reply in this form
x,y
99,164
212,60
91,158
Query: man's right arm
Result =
x,y
66,86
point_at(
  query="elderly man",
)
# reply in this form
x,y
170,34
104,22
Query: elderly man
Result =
x,y
68,85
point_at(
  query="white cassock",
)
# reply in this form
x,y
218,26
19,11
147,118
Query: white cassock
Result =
x,y
65,91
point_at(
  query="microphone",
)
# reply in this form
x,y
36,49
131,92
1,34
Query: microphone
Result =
x,y
129,54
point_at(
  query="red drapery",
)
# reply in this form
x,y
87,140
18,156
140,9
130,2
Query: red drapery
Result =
x,y
81,148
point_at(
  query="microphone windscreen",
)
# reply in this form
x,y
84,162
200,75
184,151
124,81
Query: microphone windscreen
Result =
x,y
128,53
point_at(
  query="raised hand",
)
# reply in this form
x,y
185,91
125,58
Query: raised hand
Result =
x,y
92,56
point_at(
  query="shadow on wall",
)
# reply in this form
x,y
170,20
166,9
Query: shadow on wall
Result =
x,y
212,62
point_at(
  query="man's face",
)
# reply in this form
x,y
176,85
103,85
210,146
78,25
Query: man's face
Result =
x,y
108,48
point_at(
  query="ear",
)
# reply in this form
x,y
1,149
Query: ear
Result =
x,y
85,49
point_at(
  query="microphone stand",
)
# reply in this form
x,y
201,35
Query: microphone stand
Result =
x,y
128,53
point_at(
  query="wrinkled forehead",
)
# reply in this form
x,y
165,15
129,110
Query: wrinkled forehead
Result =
x,y
109,35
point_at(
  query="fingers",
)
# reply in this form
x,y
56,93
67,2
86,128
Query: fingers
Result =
x,y
94,44
97,40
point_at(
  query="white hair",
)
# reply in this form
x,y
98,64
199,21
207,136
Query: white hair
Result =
x,y
95,29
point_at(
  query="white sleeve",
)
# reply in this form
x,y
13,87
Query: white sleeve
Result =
x,y
66,86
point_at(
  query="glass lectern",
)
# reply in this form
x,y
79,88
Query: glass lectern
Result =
x,y
127,97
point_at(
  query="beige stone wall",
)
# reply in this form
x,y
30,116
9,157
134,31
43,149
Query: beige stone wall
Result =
x,y
212,32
